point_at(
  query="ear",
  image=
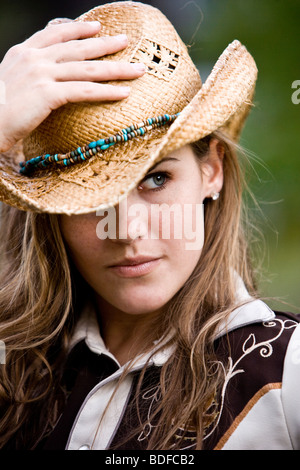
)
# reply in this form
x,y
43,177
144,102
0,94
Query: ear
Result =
x,y
212,169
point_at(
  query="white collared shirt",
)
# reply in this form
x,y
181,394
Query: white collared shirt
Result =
x,y
94,429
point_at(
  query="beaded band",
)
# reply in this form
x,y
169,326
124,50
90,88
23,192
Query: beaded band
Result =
x,y
89,150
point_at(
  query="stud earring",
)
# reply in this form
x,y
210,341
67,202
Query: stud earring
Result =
x,y
215,196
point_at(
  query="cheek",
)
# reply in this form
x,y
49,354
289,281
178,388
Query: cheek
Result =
x,y
181,223
81,240
184,256
184,251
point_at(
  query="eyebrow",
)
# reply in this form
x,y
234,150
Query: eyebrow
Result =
x,y
167,159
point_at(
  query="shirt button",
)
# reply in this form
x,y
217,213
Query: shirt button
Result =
x,y
84,447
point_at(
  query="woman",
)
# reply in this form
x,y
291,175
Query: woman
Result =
x,y
129,313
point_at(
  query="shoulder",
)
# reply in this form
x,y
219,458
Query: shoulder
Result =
x,y
263,342
259,352
260,397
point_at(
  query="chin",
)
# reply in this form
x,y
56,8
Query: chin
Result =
x,y
137,299
138,308
140,304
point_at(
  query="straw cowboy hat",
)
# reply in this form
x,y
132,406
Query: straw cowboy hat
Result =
x,y
97,152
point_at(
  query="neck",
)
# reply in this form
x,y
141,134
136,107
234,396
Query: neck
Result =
x,y
125,335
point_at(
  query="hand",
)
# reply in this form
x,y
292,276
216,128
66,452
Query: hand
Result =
x,y
54,67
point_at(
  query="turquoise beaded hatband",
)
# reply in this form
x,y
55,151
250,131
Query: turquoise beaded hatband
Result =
x,y
89,150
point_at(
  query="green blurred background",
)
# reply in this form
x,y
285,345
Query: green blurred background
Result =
x,y
270,31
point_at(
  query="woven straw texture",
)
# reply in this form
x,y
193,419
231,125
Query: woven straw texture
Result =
x,y
171,84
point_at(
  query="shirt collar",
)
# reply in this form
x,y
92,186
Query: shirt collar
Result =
x,y
87,329
250,310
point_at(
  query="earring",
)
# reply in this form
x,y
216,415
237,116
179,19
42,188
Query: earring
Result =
x,y
215,196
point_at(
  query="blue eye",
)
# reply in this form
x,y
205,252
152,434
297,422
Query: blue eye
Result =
x,y
158,179
154,181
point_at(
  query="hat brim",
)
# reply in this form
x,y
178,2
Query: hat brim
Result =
x,y
223,102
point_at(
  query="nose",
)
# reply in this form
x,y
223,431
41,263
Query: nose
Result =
x,y
131,220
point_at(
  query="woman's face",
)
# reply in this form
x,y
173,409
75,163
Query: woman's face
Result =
x,y
145,258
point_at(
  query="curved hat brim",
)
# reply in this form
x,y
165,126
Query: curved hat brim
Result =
x,y
223,103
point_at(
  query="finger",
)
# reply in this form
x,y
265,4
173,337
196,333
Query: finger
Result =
x,y
86,49
98,71
64,32
58,21
74,92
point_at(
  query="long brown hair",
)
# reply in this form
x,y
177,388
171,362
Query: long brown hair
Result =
x,y
35,305
37,317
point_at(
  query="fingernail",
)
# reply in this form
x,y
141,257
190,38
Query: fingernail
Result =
x,y
94,23
121,37
59,21
139,67
125,90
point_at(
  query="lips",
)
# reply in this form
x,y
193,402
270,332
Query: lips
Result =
x,y
135,267
134,261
